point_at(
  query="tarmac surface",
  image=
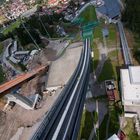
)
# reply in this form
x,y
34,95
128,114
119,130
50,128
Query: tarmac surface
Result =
x,y
62,69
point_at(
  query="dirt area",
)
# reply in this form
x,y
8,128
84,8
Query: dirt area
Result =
x,y
130,38
64,67
42,58
50,53
34,86
19,123
20,117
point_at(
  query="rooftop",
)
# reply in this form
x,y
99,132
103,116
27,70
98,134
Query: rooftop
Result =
x,y
134,74
111,8
130,84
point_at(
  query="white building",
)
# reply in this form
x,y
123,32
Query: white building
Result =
x,y
113,137
130,89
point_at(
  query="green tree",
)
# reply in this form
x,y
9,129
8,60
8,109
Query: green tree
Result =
x,y
38,1
24,37
131,15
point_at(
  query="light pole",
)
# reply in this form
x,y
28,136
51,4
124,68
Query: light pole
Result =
x,y
29,34
43,26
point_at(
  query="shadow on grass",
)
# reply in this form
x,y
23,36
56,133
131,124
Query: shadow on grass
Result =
x,y
102,128
114,122
87,125
107,71
94,64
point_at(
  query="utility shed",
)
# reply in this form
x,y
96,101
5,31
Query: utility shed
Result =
x,y
130,88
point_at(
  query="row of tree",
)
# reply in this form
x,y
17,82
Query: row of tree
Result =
x,y
36,25
131,15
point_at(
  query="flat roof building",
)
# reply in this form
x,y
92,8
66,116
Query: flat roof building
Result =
x,y
130,88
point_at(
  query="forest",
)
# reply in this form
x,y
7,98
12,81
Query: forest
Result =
x,y
131,15
131,19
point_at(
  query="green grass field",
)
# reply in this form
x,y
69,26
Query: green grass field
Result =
x,y
112,37
114,122
86,125
89,15
112,32
107,71
98,32
110,66
102,128
113,54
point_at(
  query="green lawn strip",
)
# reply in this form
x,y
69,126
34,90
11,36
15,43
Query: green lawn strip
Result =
x,y
12,27
107,71
96,56
86,125
109,68
129,130
113,54
89,14
95,59
114,122
81,124
2,75
112,33
98,32
95,117
77,38
102,128
112,37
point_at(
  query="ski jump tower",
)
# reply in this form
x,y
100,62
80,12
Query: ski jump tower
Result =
x,y
7,89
